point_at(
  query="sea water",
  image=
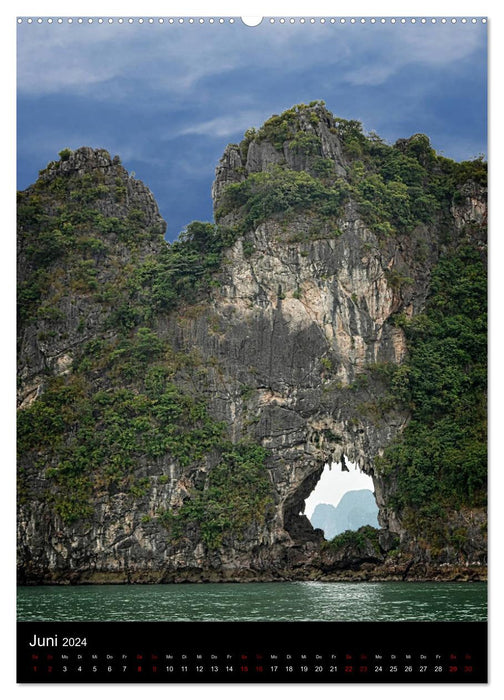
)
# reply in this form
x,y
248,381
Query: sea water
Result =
x,y
302,601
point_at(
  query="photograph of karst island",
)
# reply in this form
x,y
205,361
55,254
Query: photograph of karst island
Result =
x,y
252,341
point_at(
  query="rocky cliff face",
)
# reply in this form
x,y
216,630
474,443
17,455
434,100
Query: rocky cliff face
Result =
x,y
69,314
227,405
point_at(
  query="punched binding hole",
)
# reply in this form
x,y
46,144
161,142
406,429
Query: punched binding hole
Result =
x,y
251,21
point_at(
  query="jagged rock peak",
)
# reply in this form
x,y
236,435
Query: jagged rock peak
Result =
x,y
163,394
81,161
298,139
116,193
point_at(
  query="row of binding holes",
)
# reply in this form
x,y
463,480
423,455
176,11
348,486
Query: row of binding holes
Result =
x,y
272,20
121,20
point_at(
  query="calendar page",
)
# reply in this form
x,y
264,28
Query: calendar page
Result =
x,y
252,349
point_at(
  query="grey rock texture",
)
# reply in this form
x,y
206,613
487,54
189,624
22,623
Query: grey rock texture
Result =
x,y
49,346
286,336
85,160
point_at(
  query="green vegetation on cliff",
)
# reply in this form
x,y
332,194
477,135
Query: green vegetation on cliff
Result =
x,y
438,465
440,460
118,406
86,443
183,271
237,495
66,241
283,127
396,187
114,399
357,540
280,191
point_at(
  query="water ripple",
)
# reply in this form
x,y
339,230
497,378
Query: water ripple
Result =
x,y
301,601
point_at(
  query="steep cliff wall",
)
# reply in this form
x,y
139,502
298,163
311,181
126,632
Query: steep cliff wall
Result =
x,y
178,403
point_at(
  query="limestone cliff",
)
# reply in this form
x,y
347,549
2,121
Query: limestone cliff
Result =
x,y
178,402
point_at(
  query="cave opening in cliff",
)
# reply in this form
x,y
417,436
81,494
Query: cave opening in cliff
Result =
x,y
343,499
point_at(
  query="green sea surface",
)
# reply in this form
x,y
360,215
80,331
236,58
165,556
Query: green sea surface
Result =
x,y
301,601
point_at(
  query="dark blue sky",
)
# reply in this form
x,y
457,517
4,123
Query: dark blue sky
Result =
x,y
168,98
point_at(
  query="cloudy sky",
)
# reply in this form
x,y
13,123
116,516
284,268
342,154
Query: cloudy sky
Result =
x,y
168,98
